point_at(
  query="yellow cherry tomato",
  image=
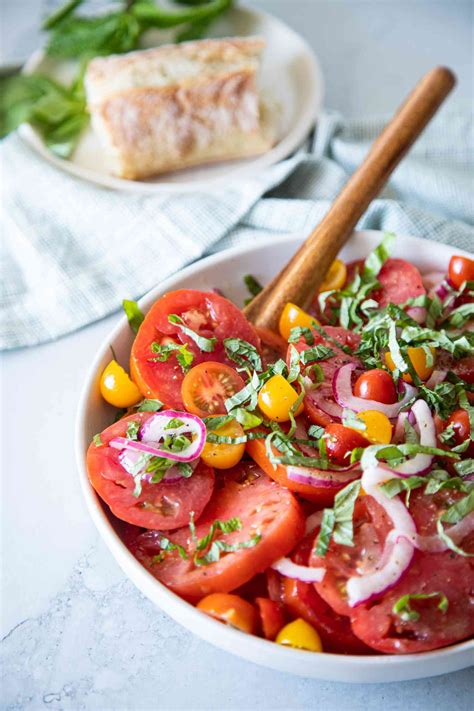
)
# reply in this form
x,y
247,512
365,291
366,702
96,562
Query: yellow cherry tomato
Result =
x,y
224,456
378,428
417,357
300,635
335,276
276,398
117,387
293,316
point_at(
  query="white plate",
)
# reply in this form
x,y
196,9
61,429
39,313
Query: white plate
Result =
x,y
290,81
224,271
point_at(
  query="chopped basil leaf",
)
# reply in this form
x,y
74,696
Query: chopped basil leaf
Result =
x,y
247,419
184,469
133,313
218,547
299,332
375,261
403,609
248,393
174,423
243,353
254,287
149,405
316,353
229,526
338,520
453,515
165,351
214,423
166,545
132,430
294,365
204,344
350,419
465,467
97,440
316,431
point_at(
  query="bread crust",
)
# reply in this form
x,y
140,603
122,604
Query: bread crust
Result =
x,y
177,106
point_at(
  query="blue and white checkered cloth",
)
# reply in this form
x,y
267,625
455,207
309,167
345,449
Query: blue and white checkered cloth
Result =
x,y
72,251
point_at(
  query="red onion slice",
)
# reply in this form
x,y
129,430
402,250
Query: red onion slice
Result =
x,y
313,522
323,478
457,533
322,396
398,550
417,313
286,567
399,431
129,460
436,377
420,463
342,389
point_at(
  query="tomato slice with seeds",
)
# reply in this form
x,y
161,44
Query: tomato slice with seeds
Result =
x,y
162,506
207,386
263,507
209,315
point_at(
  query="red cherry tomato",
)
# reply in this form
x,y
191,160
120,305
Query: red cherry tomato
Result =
x,y
272,617
340,441
460,422
460,269
377,385
207,386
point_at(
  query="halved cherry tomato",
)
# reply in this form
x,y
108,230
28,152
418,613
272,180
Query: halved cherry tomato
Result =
x,y
323,496
340,441
418,359
377,385
230,609
162,506
207,386
277,397
264,509
272,617
117,388
460,269
224,456
300,635
335,277
378,428
208,315
459,419
293,316
273,345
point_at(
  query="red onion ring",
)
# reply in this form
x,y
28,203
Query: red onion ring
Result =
x,y
286,567
436,377
128,458
312,476
322,397
420,463
434,544
417,313
342,389
313,522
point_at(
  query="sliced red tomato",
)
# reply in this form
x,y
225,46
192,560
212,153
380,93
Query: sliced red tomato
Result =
x,y
446,573
371,526
302,600
329,366
162,506
207,386
272,616
264,509
207,314
323,496
399,280
273,345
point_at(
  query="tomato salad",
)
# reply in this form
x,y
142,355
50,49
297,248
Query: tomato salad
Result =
x,y
313,487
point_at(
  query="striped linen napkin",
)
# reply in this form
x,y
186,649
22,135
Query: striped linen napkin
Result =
x,y
72,251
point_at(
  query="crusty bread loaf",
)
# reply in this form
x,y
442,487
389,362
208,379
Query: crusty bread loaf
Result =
x,y
176,106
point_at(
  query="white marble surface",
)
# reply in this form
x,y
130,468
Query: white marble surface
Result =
x,y
77,633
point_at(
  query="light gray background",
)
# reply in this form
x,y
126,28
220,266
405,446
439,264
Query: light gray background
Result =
x,y
77,634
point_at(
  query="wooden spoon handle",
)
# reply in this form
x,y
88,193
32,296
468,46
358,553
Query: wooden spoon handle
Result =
x,y
303,274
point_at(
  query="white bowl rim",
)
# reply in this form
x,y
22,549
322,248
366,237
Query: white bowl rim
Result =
x,y
238,173
332,666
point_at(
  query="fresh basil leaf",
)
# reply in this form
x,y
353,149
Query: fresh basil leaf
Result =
x,y
299,332
247,419
294,364
206,345
316,431
376,259
133,428
465,467
133,313
164,352
323,540
453,515
253,285
317,353
149,405
243,353
97,440
217,547
339,523
403,609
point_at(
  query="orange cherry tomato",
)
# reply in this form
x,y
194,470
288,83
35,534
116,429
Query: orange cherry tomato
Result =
x,y
272,617
377,385
117,388
418,359
230,609
293,316
207,386
335,277
224,456
340,441
277,397
460,269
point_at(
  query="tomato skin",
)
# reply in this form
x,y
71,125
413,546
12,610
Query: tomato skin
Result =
x,y
277,397
376,384
117,388
208,314
293,316
206,387
460,421
340,441
244,492
460,269
302,600
273,345
323,496
162,506
224,456
335,277
231,610
272,616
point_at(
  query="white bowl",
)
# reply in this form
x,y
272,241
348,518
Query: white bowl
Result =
x,y
225,271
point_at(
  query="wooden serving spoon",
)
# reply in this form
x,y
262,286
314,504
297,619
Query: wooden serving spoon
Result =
x,y
300,278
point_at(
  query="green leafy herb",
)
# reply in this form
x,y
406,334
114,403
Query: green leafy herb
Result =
x,y
133,313
337,522
253,285
149,405
403,609
316,431
216,547
132,430
164,351
247,419
316,353
299,332
453,515
97,440
294,364
206,345
376,259
167,546
243,353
